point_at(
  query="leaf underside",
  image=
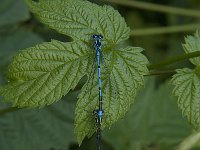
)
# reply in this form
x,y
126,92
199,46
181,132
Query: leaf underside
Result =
x,y
42,74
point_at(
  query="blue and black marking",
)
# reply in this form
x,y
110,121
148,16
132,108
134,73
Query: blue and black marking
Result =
x,y
99,111
97,45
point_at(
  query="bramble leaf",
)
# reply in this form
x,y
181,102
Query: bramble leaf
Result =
x,y
125,77
42,74
80,19
24,129
187,82
149,121
192,44
186,86
19,41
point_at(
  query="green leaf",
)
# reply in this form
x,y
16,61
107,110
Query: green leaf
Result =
x,y
154,119
190,142
44,129
12,11
186,86
81,19
126,69
42,74
19,41
192,44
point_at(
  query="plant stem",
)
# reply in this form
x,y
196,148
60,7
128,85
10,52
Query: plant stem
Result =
x,y
157,7
164,30
161,72
7,110
174,60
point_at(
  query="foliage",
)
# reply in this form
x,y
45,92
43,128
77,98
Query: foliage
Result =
x,y
43,129
51,127
153,121
187,83
57,68
42,74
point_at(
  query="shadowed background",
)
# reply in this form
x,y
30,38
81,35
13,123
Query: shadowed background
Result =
x,y
153,123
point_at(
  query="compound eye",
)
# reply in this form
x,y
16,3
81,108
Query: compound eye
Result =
x,y
96,36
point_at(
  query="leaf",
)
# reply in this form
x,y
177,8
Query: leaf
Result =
x,y
186,86
81,19
192,44
190,142
42,74
127,67
8,10
43,129
153,121
19,41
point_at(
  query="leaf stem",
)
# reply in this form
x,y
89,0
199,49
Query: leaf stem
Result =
x,y
174,60
161,72
157,7
7,110
164,30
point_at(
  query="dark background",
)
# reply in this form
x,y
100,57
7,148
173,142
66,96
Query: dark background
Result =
x,y
153,123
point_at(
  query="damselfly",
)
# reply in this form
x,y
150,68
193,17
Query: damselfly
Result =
x,y
99,111
92,97
97,45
